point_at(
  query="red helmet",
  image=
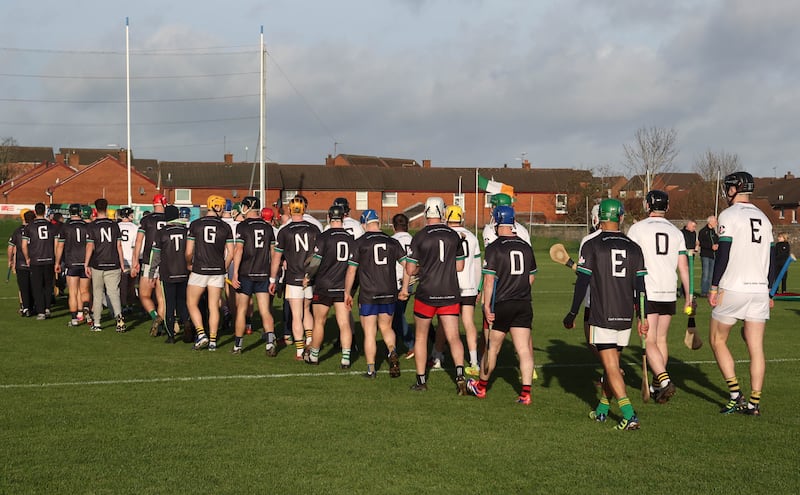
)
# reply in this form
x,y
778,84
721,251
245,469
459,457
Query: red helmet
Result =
x,y
160,199
267,214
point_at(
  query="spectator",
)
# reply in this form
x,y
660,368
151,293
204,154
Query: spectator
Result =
x,y
709,242
782,252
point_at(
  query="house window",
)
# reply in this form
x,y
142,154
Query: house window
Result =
x,y
458,200
638,194
622,194
781,215
487,200
561,204
389,199
288,195
183,196
362,200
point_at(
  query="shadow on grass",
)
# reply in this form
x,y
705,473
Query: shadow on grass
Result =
x,y
575,379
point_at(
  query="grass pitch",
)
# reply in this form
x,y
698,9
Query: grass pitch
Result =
x,y
125,413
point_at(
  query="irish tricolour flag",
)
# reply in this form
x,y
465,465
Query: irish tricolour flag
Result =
x,y
494,187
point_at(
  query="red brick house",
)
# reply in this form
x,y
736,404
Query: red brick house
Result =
x,y
105,178
36,185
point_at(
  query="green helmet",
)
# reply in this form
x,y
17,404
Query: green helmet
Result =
x,y
86,212
611,210
501,199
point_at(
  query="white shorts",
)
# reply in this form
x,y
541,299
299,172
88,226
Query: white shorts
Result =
x,y
145,271
298,292
732,306
198,280
600,335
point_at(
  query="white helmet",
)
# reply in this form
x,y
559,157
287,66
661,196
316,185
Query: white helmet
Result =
x,y
434,207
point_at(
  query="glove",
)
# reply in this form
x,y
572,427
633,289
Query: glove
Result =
x,y
569,320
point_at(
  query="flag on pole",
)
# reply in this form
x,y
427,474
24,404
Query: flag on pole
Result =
x,y
494,187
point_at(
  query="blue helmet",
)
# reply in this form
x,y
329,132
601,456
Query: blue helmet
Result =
x,y
185,213
369,216
228,205
503,215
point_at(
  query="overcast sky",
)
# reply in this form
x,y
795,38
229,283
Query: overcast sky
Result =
x,y
467,83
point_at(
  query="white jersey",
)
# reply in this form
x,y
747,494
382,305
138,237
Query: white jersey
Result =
x,y
351,225
489,233
127,231
232,224
469,278
661,244
404,238
750,233
583,241
310,219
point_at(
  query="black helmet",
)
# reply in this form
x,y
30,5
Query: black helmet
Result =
x,y
343,203
336,212
742,181
657,200
251,203
75,209
125,212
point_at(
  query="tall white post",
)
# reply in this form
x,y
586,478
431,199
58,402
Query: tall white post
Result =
x,y
262,190
128,105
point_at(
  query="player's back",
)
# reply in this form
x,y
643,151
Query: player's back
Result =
x,y
469,277
662,243
750,233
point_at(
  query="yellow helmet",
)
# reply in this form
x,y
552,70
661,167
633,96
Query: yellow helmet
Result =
x,y
112,214
454,213
297,206
22,213
216,203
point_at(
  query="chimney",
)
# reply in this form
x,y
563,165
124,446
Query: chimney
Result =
x,y
329,160
526,165
59,158
228,158
74,159
426,164
123,156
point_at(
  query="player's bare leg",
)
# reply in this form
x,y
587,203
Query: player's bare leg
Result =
x,y
344,319
214,297
657,356
754,336
369,324
318,333
193,295
471,332
523,342
297,306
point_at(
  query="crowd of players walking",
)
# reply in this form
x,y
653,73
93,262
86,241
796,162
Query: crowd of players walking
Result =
x,y
195,278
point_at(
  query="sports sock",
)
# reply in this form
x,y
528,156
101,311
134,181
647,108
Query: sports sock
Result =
x,y
299,346
663,379
346,356
371,368
733,387
309,333
271,338
460,371
526,390
603,406
315,354
213,339
421,380
755,399
626,407
473,357
153,314
237,341
200,332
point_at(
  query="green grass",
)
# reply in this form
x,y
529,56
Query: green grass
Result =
x,y
129,414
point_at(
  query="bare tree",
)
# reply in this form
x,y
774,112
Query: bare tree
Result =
x,y
7,152
652,152
713,166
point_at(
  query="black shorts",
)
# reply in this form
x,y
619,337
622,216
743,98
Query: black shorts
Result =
x,y
248,286
661,308
76,271
468,300
327,299
508,314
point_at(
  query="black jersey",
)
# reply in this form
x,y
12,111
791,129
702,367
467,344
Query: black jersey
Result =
x,y
613,261
295,242
41,236
435,249
149,225
256,236
211,235
333,248
170,245
73,236
16,241
104,234
376,256
511,261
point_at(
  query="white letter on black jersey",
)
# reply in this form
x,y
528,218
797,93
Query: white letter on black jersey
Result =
x,y
378,259
517,262
176,241
342,252
301,242
210,234
617,261
258,237
42,232
105,234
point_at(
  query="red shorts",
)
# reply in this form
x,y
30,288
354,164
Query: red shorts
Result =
x,y
424,310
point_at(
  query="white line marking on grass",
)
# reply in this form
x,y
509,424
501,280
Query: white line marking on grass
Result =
x,y
174,379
